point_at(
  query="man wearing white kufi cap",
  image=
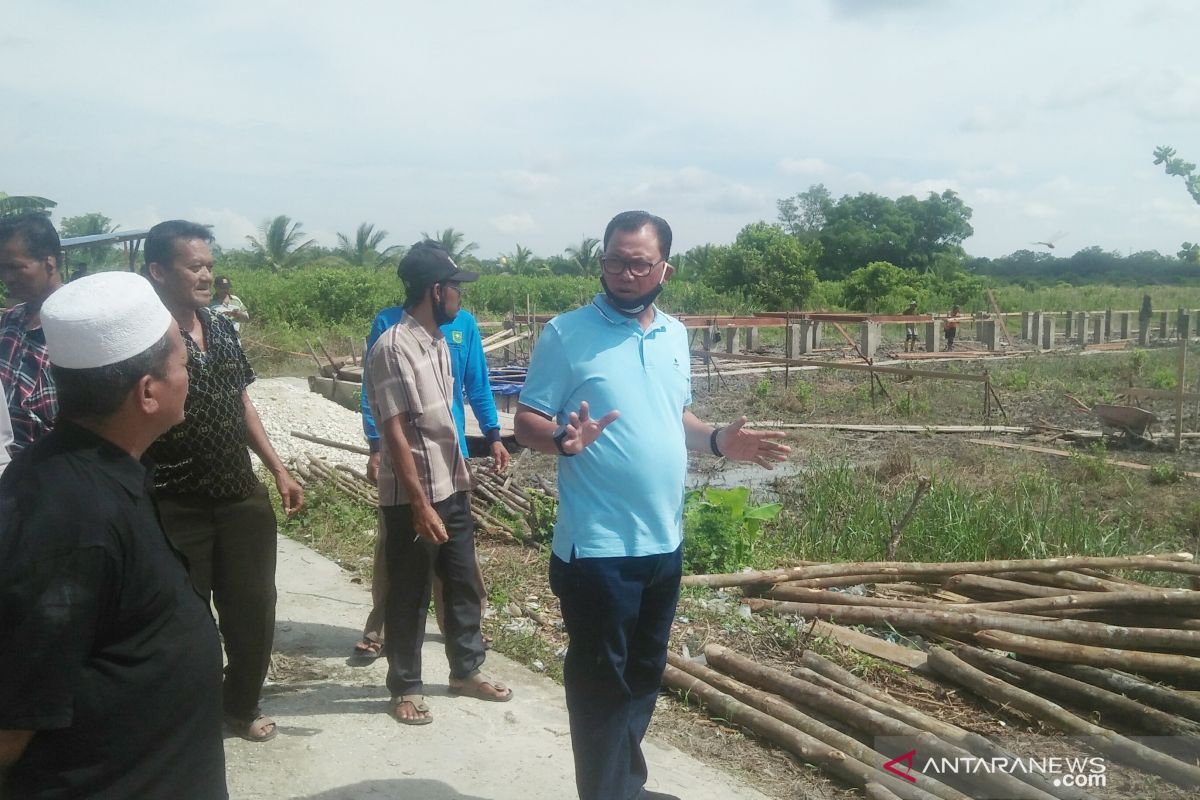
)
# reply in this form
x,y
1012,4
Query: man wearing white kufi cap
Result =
x,y
110,659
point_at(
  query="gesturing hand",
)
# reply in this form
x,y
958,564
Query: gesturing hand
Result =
x,y
582,430
739,444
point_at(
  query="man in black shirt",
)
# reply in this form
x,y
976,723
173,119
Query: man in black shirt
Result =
x,y
110,667
213,506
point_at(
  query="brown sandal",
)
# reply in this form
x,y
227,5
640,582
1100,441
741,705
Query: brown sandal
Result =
x,y
417,701
482,688
260,729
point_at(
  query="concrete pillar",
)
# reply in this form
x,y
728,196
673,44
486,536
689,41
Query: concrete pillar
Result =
x,y
988,333
1144,335
1124,324
1026,326
751,338
1108,324
1069,325
1048,333
1082,320
869,341
798,338
732,343
1179,321
1098,329
933,336
1162,324
706,336
1036,327
1185,325
818,334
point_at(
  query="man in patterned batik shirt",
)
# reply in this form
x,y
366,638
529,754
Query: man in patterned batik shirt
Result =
x,y
213,506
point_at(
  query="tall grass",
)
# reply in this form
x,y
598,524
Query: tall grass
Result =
x,y
836,512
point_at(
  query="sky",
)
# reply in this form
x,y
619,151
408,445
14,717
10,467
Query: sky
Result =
x,y
534,122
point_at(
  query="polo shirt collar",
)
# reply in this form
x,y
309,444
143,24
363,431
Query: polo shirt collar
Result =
x,y
424,338
615,317
124,468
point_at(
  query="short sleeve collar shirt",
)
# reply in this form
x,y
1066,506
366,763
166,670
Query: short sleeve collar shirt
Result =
x,y
207,453
106,652
623,495
409,374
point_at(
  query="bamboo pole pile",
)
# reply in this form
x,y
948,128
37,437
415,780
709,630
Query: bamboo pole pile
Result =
x,y
498,505
1069,642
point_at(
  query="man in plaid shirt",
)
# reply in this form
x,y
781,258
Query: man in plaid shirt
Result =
x,y
29,249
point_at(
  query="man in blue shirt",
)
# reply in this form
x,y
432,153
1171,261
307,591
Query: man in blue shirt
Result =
x,y
469,365
618,557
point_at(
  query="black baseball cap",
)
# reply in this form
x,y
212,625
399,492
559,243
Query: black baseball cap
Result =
x,y
427,263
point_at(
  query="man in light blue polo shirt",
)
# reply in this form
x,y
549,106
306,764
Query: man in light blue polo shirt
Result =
x,y
617,556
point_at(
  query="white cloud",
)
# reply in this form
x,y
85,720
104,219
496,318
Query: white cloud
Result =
x,y
805,166
1039,211
514,224
523,181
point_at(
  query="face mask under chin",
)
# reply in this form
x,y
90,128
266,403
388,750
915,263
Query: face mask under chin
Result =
x,y
633,306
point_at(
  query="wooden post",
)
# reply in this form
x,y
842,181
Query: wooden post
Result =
x,y
1179,390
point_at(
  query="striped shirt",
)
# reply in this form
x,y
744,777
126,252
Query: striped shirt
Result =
x,y
409,373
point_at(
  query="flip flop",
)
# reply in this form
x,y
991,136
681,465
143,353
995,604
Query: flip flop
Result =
x,y
496,692
417,701
366,650
246,728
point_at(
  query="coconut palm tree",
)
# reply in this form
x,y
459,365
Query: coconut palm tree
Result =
x,y
15,205
586,256
279,243
454,243
520,261
364,250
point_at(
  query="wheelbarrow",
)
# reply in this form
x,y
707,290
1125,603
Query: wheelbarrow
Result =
x,y
1132,421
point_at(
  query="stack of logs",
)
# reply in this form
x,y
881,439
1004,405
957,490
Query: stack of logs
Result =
x,y
492,492
1068,629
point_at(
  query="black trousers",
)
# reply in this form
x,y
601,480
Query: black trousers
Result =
x,y
230,548
618,613
409,559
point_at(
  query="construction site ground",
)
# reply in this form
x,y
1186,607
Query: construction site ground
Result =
x,y
523,619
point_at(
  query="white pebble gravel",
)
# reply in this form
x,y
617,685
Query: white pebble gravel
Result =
x,y
286,405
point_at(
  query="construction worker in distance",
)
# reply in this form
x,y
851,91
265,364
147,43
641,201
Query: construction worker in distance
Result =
x,y
910,328
951,327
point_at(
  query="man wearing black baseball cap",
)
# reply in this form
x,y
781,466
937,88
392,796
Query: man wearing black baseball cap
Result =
x,y
425,488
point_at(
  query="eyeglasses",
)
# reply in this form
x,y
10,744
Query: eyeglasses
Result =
x,y
638,269
453,285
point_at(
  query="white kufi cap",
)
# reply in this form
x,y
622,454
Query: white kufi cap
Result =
x,y
103,319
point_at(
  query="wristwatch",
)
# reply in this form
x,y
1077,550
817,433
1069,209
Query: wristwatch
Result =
x,y
560,433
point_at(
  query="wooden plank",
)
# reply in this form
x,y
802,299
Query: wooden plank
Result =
x,y
872,646
803,362
1049,451
496,345
999,317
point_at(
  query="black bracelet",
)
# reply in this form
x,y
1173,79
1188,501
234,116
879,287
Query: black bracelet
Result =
x,y
712,443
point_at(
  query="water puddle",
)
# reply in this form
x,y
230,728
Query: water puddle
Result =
x,y
758,480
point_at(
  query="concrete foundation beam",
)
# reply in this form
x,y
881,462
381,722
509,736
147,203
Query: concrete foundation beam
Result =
x,y
1048,333
869,338
933,336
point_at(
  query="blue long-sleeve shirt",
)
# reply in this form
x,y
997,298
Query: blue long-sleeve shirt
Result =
x,y
469,366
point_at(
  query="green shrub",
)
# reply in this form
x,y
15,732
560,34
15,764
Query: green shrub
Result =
x,y
1164,378
720,529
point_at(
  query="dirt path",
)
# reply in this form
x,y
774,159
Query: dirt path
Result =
x,y
336,739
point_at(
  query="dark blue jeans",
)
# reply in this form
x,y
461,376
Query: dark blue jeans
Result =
x,y
618,614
